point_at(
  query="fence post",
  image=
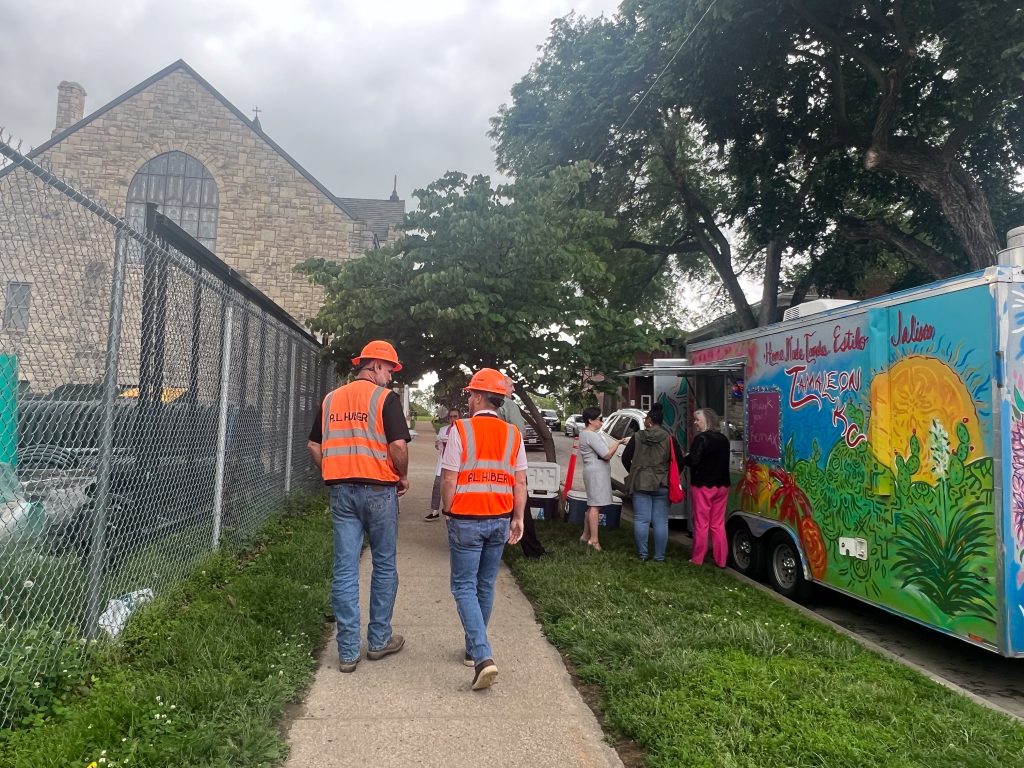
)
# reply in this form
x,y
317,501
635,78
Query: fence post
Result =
x,y
222,421
101,509
292,349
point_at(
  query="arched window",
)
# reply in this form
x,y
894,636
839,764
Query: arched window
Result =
x,y
184,192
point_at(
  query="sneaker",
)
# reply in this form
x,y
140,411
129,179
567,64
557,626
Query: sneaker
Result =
x,y
348,666
432,515
467,660
394,646
486,672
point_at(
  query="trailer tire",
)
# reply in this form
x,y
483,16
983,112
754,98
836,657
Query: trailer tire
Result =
x,y
785,570
746,552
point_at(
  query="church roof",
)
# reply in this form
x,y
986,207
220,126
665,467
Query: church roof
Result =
x,y
256,128
379,214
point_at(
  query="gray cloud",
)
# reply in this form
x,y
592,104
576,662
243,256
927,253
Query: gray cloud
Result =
x,y
355,91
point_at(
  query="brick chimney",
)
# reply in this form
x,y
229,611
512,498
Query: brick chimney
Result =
x,y
70,105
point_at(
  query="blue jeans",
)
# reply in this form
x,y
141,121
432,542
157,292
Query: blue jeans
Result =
x,y
358,508
476,547
650,509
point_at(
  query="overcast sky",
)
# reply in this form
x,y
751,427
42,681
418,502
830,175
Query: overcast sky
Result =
x,y
355,90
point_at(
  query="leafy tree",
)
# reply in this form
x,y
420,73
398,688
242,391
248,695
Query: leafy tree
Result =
x,y
665,188
849,133
910,110
511,278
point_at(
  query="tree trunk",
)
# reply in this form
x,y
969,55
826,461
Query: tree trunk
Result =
x,y
961,200
709,236
770,293
537,422
918,253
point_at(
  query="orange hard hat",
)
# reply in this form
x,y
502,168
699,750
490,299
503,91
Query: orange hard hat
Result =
x,y
378,350
488,380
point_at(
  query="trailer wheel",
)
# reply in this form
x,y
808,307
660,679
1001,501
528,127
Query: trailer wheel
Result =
x,y
746,554
785,571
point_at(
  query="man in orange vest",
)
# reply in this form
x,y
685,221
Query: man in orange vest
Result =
x,y
483,496
359,441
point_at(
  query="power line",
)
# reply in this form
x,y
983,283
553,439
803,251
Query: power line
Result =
x,y
663,71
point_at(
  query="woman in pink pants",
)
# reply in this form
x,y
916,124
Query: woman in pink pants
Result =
x,y
708,461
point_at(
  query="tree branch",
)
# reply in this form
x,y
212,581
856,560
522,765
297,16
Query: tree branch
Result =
x,y
917,252
803,285
839,43
679,245
770,291
839,89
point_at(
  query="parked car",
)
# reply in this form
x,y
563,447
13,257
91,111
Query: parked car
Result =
x,y
531,440
621,423
574,425
157,485
551,419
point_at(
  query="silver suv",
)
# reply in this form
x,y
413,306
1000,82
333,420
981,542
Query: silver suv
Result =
x,y
551,419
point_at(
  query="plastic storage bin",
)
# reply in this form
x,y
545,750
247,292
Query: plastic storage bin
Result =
x,y
576,509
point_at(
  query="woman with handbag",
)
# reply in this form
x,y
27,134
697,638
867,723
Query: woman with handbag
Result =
x,y
649,458
708,461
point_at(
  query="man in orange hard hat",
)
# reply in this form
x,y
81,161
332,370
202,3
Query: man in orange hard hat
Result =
x,y
483,497
359,441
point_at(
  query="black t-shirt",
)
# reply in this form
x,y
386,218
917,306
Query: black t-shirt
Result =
x,y
395,428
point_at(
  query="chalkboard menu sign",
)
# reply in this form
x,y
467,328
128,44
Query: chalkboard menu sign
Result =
x,y
763,424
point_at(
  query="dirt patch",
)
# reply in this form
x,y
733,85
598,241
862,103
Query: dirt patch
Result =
x,y
630,753
296,708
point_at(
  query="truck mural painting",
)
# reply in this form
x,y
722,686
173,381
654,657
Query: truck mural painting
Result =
x,y
887,439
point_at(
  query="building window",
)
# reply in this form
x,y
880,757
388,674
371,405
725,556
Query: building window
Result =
x,y
184,192
19,299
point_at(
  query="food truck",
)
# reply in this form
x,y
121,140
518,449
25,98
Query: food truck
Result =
x,y
879,449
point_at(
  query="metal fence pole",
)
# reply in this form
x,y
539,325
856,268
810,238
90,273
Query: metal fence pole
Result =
x,y
195,350
292,349
275,405
222,422
101,504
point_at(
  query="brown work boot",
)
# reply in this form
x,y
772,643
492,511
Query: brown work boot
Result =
x,y
486,672
394,646
347,666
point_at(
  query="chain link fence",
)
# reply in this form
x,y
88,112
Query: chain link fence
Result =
x,y
154,407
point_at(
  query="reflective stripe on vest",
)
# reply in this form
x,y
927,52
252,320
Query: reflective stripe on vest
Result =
x,y
487,472
356,447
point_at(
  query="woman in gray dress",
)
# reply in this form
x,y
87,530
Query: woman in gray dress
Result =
x,y
595,452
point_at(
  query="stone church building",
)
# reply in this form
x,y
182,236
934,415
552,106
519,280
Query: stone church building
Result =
x,y
174,140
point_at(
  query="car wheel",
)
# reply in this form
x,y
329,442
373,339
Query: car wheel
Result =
x,y
746,555
785,571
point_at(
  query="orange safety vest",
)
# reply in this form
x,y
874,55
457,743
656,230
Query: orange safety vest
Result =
x,y
486,474
354,445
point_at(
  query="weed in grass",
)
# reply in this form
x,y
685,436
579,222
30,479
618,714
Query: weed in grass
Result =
x,y
700,670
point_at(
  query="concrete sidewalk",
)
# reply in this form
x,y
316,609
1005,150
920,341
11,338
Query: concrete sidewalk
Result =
x,y
416,707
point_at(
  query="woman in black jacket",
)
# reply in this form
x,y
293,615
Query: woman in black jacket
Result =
x,y
708,461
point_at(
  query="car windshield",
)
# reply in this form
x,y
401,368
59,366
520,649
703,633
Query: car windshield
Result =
x,y
547,412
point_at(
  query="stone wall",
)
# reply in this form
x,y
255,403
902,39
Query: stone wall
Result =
x,y
271,218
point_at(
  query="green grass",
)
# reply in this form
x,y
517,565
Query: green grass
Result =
x,y
201,676
700,670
